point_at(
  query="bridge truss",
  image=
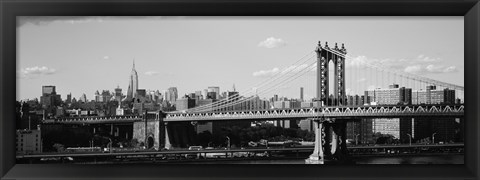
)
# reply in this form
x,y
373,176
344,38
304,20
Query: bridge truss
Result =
x,y
327,112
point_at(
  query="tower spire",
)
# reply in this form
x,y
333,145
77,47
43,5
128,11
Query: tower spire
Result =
x,y
133,63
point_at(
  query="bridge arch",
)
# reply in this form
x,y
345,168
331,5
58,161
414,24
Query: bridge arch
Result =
x,y
150,141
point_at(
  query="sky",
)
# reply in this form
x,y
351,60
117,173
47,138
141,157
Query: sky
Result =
x,y
85,54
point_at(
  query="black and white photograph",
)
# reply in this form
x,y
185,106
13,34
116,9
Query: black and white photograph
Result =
x,y
320,90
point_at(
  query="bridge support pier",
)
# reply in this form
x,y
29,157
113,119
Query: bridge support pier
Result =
x,y
111,129
168,145
330,142
317,157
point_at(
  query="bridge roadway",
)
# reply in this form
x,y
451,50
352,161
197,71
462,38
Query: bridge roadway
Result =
x,y
94,120
258,150
343,112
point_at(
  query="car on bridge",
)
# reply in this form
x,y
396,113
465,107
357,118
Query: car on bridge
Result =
x,y
195,148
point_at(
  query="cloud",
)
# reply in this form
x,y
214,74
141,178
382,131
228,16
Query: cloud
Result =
x,y
272,42
413,69
151,73
440,69
45,20
288,70
362,80
419,65
373,87
423,69
359,62
106,57
32,72
268,73
423,58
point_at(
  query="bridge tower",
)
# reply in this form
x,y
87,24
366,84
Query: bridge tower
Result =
x,y
330,134
337,56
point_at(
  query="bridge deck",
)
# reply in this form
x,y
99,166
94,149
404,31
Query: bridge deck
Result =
x,y
327,112
343,112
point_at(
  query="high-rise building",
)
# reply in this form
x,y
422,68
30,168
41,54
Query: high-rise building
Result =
x,y
97,97
215,89
184,103
118,94
391,96
48,90
212,95
433,96
69,98
83,98
172,95
205,94
406,129
206,104
306,125
204,126
353,131
133,84
29,141
198,94
49,97
275,98
366,131
301,93
105,96
387,126
140,96
441,128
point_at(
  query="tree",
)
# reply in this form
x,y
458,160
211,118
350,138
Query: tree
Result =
x,y
204,138
383,138
59,147
133,143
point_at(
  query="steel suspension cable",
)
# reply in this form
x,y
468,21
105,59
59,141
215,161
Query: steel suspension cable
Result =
x,y
237,95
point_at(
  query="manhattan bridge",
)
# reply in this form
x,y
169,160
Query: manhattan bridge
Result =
x,y
329,111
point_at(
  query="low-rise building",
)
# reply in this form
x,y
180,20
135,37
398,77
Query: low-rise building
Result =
x,y
29,141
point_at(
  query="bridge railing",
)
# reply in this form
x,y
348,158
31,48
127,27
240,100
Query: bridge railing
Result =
x,y
389,110
93,119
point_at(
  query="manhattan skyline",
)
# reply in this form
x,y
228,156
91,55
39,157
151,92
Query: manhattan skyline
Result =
x,y
86,54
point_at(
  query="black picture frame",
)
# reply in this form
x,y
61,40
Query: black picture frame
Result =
x,y
470,9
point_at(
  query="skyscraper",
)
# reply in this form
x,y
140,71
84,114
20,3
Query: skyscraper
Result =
x,y
69,98
50,97
215,89
301,93
48,90
172,95
83,98
133,84
118,93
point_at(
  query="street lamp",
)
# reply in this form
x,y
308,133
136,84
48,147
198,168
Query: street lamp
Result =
x,y
433,138
228,142
410,138
356,139
111,143
91,145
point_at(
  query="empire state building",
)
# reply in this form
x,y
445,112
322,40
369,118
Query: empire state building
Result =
x,y
133,84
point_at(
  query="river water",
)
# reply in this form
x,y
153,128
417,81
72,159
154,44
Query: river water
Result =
x,y
423,159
